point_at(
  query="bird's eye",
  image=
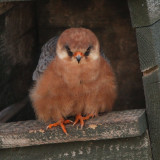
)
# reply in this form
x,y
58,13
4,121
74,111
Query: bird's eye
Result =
x,y
70,53
88,51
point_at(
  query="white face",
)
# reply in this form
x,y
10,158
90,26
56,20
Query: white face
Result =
x,y
90,52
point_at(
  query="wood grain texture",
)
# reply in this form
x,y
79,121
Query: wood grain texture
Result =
x,y
135,148
17,52
152,93
15,0
10,111
144,12
148,45
5,7
122,124
147,13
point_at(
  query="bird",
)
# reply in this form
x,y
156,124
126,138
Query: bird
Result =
x,y
72,78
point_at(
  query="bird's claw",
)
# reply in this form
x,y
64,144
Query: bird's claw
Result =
x,y
60,123
81,119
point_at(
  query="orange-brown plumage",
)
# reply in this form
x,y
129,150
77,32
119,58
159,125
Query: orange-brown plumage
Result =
x,y
67,88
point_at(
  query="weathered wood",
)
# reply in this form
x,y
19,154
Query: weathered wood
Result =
x,y
14,0
17,52
5,7
11,110
152,93
149,49
148,45
120,124
135,148
144,12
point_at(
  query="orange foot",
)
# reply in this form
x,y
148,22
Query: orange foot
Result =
x,y
81,119
60,123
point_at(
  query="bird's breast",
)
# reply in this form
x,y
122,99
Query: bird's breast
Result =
x,y
78,76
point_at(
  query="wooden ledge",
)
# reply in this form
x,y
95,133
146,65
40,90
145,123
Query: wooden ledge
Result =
x,y
15,0
118,124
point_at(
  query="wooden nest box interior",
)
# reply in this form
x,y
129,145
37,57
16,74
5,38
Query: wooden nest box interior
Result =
x,y
128,33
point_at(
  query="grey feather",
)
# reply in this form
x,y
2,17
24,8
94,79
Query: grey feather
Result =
x,y
48,52
103,55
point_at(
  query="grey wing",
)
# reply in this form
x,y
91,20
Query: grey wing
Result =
x,y
103,55
48,52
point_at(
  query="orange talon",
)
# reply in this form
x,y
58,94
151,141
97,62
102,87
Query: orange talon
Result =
x,y
60,123
89,116
63,128
67,121
81,119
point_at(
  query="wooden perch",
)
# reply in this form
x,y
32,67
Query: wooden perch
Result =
x,y
12,110
116,135
121,124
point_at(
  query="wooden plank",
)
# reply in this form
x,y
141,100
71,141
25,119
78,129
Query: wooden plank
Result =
x,y
120,124
10,111
135,148
147,13
148,45
15,0
15,21
144,12
151,83
4,7
17,52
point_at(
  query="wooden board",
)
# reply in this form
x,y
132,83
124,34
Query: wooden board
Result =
x,y
149,49
14,0
152,93
148,45
17,51
120,124
5,7
147,13
10,111
144,12
135,148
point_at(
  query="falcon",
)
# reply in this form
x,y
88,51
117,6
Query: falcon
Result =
x,y
72,78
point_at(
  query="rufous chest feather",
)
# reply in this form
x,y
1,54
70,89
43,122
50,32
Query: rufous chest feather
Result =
x,y
77,74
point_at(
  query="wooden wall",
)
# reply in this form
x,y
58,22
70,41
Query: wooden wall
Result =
x,y
17,50
147,26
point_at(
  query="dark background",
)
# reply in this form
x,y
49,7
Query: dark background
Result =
x,y
26,26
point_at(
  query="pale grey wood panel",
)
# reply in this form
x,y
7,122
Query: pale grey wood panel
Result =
x,y
144,12
149,45
135,148
120,124
152,93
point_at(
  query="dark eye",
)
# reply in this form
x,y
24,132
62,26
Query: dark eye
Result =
x,y
70,53
88,51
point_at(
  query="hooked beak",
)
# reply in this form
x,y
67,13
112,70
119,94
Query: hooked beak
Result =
x,y
78,56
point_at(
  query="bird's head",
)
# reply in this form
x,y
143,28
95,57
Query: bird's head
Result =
x,y
78,45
